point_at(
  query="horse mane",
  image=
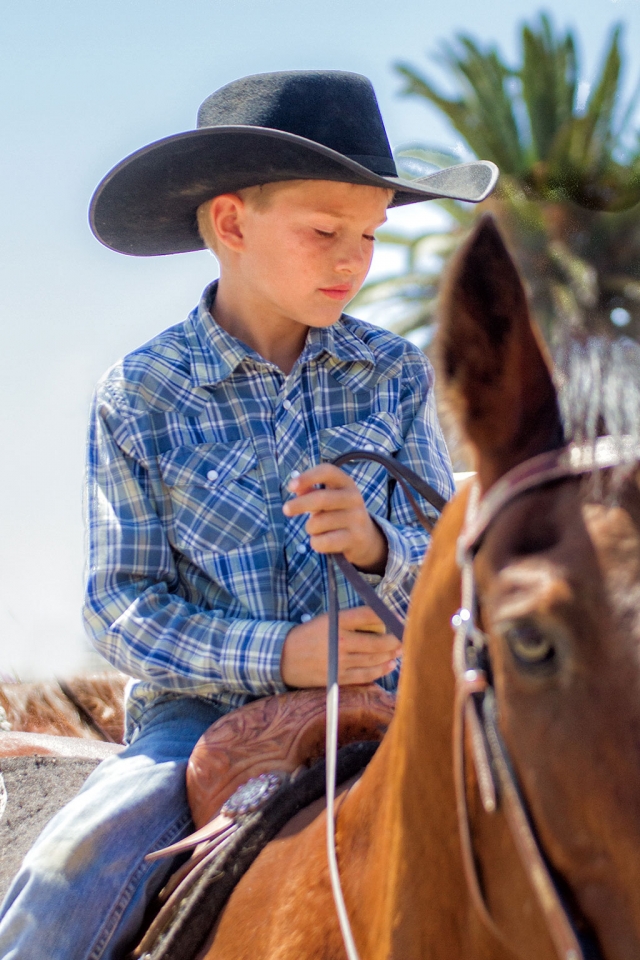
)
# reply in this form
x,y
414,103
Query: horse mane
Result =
x,y
598,383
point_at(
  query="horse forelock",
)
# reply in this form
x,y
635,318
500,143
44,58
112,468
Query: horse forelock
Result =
x,y
598,384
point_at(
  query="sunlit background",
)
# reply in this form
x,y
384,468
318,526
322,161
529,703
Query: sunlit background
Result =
x,y
84,84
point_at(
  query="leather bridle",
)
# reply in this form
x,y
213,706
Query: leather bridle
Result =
x,y
475,702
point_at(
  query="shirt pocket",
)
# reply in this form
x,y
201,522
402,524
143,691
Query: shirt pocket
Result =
x,y
378,433
216,497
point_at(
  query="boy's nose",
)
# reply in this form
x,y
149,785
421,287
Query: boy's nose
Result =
x,y
353,258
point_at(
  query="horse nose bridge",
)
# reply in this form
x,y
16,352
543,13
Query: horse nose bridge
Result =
x,y
610,801
576,752
591,836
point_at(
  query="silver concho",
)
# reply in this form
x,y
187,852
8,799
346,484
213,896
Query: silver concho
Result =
x,y
253,794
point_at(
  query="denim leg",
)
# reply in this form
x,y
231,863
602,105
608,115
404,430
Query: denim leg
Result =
x,y
83,888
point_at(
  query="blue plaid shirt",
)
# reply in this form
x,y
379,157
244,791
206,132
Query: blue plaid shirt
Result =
x,y
195,575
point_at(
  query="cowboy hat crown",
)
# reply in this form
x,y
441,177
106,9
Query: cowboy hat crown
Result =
x,y
309,125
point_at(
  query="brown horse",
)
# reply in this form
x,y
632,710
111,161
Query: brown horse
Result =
x,y
90,707
558,579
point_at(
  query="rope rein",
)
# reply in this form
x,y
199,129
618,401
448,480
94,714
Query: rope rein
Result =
x,y
406,479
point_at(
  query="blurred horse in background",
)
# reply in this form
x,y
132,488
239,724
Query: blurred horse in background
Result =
x,y
90,707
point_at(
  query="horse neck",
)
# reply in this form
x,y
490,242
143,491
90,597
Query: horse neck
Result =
x,y
397,835
397,831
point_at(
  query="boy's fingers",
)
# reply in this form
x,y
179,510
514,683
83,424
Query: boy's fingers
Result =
x,y
353,618
360,618
336,541
324,473
367,663
319,523
320,500
369,645
367,675
363,656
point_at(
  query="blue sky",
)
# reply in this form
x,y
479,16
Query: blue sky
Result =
x,y
85,83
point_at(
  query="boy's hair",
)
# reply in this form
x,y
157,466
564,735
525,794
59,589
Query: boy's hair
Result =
x,y
258,197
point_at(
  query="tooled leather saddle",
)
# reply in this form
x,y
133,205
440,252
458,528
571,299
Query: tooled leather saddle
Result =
x,y
249,773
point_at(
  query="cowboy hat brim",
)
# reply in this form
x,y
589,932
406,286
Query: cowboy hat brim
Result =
x,y
146,206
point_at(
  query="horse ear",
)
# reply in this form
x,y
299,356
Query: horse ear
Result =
x,y
496,370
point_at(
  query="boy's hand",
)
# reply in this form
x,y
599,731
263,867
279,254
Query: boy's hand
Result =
x,y
338,521
362,656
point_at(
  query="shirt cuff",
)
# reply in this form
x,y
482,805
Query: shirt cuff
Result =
x,y
400,565
250,657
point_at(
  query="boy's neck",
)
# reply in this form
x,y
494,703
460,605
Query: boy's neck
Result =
x,y
277,338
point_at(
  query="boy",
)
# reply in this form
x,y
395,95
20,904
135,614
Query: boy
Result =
x,y
211,499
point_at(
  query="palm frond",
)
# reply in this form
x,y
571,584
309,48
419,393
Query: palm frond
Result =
x,y
484,115
567,194
548,75
600,108
626,120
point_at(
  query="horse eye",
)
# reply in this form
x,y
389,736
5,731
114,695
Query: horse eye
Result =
x,y
529,643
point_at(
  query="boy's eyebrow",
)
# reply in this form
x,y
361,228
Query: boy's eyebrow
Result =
x,y
341,216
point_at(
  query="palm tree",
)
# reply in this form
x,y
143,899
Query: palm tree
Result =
x,y
570,182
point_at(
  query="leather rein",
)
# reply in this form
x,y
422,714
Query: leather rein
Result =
x,y
475,710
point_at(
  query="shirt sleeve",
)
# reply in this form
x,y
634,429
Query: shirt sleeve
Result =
x,y
424,451
133,607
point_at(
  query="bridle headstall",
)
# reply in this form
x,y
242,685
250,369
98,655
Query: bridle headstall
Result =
x,y
475,702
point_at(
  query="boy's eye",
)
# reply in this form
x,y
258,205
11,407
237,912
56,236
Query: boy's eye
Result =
x,y
369,236
325,233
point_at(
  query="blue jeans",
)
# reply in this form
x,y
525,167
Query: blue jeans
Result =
x,y
82,890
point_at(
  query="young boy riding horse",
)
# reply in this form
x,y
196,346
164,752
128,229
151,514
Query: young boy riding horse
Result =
x,y
211,498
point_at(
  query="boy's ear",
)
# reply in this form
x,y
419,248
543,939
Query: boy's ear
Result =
x,y
496,369
226,215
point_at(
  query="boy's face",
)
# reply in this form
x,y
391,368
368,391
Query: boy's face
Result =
x,y
304,254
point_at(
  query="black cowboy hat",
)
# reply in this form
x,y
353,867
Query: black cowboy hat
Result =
x,y
308,125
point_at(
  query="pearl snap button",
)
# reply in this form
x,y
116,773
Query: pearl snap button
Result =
x,y
368,446
212,475
218,613
286,404
294,474
305,618
301,548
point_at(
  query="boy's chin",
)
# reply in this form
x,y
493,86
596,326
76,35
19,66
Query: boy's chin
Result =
x,y
325,322
324,318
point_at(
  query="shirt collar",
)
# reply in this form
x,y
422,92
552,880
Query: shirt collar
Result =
x,y
339,341
215,354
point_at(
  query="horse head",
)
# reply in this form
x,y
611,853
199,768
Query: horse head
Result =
x,y
557,575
